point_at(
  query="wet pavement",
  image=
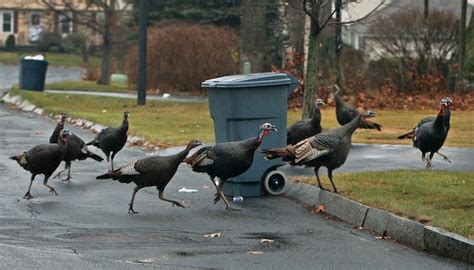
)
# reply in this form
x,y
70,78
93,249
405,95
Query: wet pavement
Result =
x,y
87,226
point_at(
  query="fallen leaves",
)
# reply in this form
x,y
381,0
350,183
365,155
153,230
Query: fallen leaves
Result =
x,y
213,235
255,252
266,241
319,209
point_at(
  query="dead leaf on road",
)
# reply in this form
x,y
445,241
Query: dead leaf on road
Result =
x,y
39,132
255,252
382,237
269,241
212,235
319,209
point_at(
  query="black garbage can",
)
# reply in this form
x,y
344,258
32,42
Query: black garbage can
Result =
x,y
239,104
32,74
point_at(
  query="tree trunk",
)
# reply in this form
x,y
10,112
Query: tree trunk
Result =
x,y
252,32
105,63
311,83
462,48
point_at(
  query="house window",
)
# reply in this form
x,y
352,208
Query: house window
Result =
x,y
35,29
65,24
6,21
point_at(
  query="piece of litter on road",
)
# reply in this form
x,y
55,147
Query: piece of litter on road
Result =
x,y
212,235
255,252
206,186
187,190
269,241
382,237
319,209
39,132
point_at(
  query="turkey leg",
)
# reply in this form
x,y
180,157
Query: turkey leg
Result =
x,y
220,194
130,208
68,167
45,183
444,157
330,178
61,172
28,194
317,177
160,195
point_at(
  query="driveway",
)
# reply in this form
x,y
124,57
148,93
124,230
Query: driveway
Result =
x,y
87,226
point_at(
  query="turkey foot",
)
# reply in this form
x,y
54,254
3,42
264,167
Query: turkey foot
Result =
x,y
52,190
130,209
67,179
28,196
445,158
228,208
178,204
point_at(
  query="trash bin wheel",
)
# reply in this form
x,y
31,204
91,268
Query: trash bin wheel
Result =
x,y
274,182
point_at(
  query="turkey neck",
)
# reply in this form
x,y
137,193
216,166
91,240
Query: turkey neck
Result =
x,y
446,116
316,118
439,120
54,137
124,126
350,127
338,100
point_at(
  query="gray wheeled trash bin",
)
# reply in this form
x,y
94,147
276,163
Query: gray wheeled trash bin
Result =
x,y
32,74
239,104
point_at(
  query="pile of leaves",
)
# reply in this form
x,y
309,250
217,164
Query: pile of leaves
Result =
x,y
390,98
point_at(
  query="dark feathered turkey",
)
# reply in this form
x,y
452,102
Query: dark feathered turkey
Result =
x,y
155,171
429,136
226,160
112,140
43,159
307,127
327,149
345,114
76,148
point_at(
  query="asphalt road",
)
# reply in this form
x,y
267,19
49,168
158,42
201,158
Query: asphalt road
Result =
x,y
87,226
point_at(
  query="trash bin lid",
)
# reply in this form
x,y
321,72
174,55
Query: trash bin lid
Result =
x,y
249,80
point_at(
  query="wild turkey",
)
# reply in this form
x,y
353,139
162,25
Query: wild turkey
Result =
x,y
307,127
112,140
43,159
76,149
226,160
155,171
429,136
345,114
327,149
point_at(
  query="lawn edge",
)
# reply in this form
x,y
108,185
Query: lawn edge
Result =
x,y
26,106
380,222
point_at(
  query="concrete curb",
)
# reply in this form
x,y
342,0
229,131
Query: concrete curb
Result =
x,y
415,234
26,106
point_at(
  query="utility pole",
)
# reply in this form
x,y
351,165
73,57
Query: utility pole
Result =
x,y
338,40
462,48
142,40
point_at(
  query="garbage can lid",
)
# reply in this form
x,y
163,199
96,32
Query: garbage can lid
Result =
x,y
249,80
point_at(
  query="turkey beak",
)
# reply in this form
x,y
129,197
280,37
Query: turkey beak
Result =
x,y
274,129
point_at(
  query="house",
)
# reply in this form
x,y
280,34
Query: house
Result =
x,y
358,35
28,20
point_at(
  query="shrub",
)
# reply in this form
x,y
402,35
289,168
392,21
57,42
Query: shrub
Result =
x,y
180,56
50,41
10,43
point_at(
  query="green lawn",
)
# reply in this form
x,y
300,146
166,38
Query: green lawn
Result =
x,y
54,59
439,198
86,86
175,123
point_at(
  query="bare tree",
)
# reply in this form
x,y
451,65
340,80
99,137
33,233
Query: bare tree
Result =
x,y
409,37
252,31
462,49
88,14
319,13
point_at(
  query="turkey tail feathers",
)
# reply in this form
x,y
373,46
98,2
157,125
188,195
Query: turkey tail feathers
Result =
x,y
274,153
408,135
95,157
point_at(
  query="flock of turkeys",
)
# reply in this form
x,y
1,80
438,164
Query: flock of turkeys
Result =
x,y
307,144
